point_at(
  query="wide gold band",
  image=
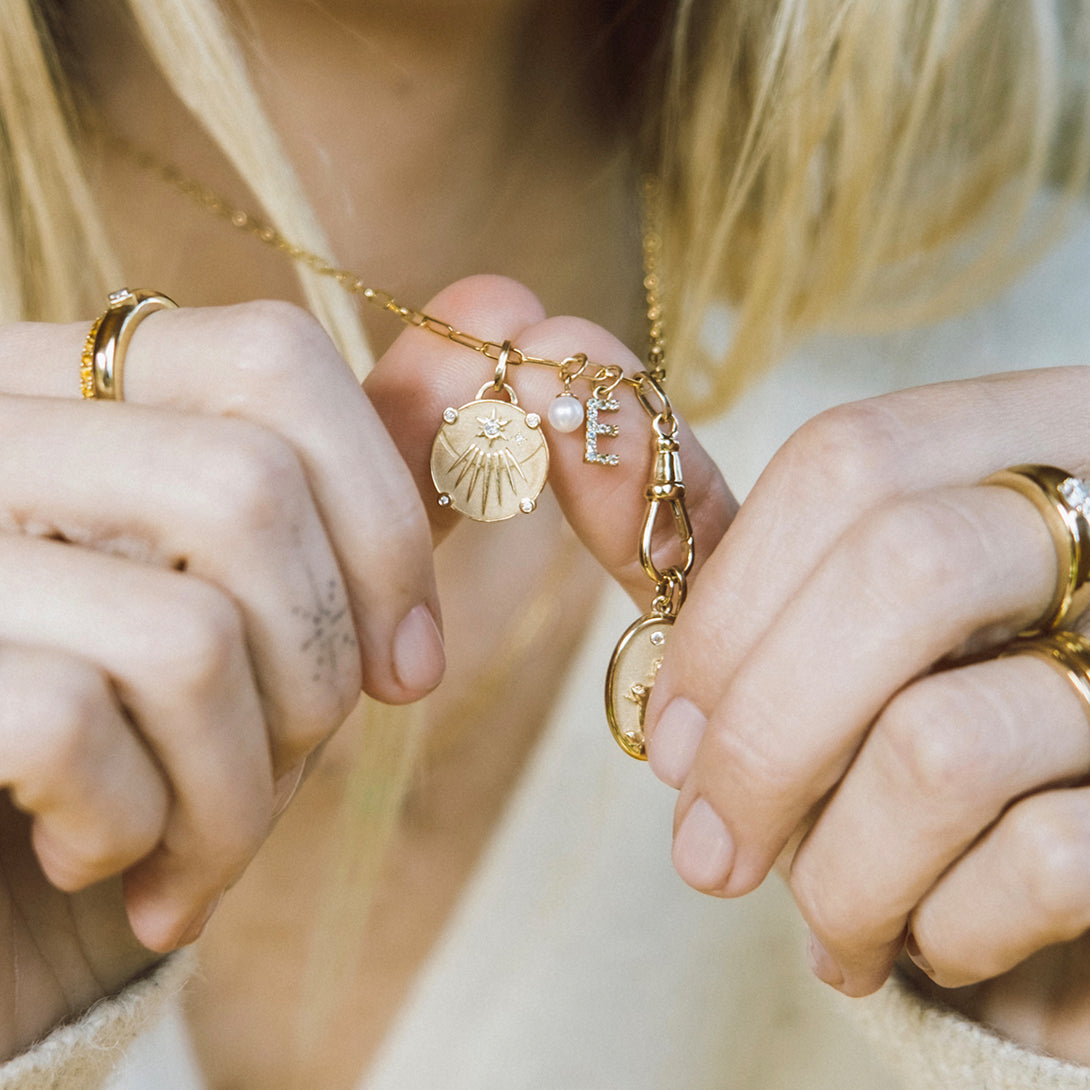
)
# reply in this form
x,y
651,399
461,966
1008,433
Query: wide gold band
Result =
x,y
103,361
1067,652
1064,503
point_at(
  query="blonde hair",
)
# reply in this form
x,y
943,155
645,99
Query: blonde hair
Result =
x,y
849,163
863,165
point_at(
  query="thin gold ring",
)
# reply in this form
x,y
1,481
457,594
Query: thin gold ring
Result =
x,y
1066,652
102,364
1063,501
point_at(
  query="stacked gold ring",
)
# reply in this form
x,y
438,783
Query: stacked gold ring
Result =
x,y
1066,652
1064,503
103,360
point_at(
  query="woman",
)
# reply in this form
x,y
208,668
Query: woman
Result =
x,y
248,549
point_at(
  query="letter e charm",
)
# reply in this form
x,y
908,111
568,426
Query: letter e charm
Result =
x,y
596,405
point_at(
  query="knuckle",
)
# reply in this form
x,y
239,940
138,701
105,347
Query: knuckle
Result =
x,y
833,918
402,549
103,850
203,641
64,719
1053,838
76,856
273,337
852,449
908,554
236,842
250,482
750,756
326,712
934,740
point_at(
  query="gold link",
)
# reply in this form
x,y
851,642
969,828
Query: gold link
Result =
x,y
650,383
609,377
466,340
572,368
670,594
499,383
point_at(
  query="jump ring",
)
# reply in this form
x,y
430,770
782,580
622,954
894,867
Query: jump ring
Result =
x,y
103,360
500,381
1063,501
1066,652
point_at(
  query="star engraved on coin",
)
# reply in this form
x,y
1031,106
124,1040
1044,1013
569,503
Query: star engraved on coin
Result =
x,y
492,428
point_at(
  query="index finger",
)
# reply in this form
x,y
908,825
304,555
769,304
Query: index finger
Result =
x,y
604,502
272,364
833,471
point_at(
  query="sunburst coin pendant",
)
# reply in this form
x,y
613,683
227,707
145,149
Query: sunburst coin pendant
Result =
x,y
489,460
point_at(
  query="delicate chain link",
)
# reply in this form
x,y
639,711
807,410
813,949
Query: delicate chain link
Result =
x,y
605,376
652,246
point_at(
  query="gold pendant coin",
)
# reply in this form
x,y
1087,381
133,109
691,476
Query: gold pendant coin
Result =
x,y
489,460
631,677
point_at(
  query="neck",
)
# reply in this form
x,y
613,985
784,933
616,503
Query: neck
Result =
x,y
431,143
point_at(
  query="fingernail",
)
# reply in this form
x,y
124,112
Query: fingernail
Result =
x,y
285,787
199,923
822,964
912,948
703,850
672,748
419,656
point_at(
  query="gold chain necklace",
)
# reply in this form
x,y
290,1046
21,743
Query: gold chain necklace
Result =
x,y
460,463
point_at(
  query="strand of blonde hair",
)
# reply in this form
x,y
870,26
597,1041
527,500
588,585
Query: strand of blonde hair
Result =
x,y
54,253
200,59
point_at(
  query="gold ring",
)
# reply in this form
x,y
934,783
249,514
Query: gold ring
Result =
x,y
1067,652
103,360
1064,503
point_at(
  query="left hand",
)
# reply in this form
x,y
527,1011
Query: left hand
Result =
x,y
801,715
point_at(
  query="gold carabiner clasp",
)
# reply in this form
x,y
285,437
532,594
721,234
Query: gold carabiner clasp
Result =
x,y
667,487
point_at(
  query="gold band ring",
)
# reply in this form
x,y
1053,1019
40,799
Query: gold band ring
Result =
x,y
103,360
1066,652
1064,503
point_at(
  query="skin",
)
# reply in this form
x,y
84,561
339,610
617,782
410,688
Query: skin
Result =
x,y
801,722
291,407
247,469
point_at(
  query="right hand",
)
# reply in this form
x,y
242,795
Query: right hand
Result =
x,y
195,585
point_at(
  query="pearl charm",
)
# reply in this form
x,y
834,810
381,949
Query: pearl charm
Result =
x,y
566,412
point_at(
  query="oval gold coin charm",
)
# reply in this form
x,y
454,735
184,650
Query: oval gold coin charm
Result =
x,y
489,460
631,677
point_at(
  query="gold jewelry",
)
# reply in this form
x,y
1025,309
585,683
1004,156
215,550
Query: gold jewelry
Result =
x,y
1067,652
102,363
510,481
493,444
1064,503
